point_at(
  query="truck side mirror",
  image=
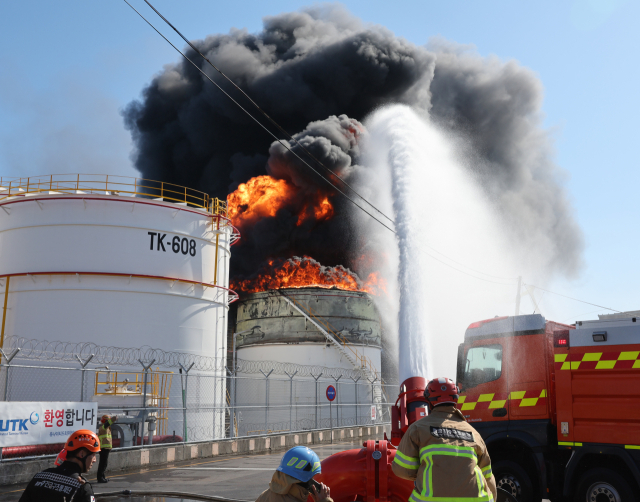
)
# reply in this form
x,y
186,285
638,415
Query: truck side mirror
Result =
x,y
460,369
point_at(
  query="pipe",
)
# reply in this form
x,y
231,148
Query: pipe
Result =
x,y
4,312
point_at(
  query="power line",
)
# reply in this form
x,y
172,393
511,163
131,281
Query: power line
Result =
x,y
291,151
575,299
465,272
304,149
282,130
579,315
257,121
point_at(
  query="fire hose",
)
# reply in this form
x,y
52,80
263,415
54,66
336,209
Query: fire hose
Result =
x,y
182,495
503,496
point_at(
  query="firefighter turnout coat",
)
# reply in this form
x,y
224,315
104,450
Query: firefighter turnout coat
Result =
x,y
59,484
446,458
284,488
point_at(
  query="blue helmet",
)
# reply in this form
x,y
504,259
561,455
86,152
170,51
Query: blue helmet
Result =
x,y
301,463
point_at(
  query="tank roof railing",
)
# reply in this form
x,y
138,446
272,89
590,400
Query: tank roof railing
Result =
x,y
105,184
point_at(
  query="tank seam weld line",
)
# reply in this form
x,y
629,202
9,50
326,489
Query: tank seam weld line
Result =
x,y
217,233
177,295
115,274
202,212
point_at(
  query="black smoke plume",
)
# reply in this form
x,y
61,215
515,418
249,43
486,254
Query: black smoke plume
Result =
x,y
319,71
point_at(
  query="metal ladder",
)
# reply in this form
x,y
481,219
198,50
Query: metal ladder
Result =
x,y
359,362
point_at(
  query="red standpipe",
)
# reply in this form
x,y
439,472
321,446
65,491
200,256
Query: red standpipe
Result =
x,y
365,475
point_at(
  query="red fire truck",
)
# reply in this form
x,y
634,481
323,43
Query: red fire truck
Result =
x,y
558,406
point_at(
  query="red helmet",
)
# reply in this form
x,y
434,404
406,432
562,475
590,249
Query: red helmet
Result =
x,y
83,438
441,390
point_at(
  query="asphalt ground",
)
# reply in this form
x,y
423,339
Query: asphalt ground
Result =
x,y
236,477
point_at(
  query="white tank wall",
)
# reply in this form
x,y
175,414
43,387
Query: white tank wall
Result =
x,y
310,354
252,389
110,235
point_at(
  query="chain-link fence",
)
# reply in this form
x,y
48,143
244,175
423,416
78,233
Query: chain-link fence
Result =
x,y
158,404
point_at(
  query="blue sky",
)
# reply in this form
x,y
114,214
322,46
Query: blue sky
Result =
x,y
67,68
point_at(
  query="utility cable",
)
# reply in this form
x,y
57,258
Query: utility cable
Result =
x,y
579,315
467,273
287,147
257,121
570,298
304,161
282,130
299,144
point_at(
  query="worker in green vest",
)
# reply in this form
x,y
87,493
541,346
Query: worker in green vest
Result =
x,y
106,443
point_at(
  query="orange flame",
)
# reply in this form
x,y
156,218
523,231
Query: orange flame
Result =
x,y
375,284
259,197
263,196
307,272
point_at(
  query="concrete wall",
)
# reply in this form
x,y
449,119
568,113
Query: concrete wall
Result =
x,y
21,471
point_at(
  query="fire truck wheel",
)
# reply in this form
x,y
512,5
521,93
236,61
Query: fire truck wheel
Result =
x,y
605,485
513,479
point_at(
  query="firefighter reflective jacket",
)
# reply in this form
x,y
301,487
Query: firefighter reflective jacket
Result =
x,y
284,488
446,458
104,434
59,484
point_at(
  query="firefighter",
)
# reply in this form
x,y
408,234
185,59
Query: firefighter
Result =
x,y
106,443
65,482
293,480
444,456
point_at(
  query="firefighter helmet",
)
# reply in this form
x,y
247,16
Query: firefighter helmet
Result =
x,y
441,390
83,438
301,463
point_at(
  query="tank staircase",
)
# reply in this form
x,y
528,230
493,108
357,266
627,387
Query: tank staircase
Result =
x,y
359,361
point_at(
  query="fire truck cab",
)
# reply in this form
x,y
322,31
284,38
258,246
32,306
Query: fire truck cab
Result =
x,y
557,405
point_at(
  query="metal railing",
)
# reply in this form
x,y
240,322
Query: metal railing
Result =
x,y
153,390
79,184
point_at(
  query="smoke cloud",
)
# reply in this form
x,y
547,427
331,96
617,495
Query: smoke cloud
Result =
x,y
321,71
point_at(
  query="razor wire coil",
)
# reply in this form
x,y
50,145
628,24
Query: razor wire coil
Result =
x,y
58,351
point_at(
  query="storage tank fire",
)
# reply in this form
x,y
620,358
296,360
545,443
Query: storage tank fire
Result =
x,y
319,327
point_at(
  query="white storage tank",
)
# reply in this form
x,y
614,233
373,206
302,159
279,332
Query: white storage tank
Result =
x,y
272,329
115,261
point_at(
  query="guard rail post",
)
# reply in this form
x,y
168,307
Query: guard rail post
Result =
x,y
291,397
8,365
338,403
355,384
373,395
316,378
83,365
266,407
144,397
183,383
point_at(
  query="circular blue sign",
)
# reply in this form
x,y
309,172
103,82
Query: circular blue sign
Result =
x,y
331,393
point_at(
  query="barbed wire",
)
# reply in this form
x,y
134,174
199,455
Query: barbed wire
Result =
x,y
301,370
58,351
44,350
